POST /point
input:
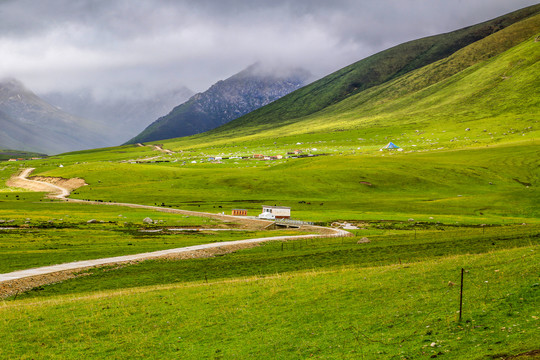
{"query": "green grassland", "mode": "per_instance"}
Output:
(28, 248)
(488, 184)
(464, 157)
(384, 312)
(32, 209)
(390, 243)
(37, 232)
(462, 193)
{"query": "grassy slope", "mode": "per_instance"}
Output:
(372, 71)
(29, 248)
(460, 89)
(390, 243)
(364, 74)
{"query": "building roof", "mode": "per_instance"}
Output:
(275, 207)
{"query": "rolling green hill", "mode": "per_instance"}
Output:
(378, 69)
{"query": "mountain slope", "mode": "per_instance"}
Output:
(439, 94)
(496, 100)
(225, 101)
(375, 70)
(494, 77)
(29, 123)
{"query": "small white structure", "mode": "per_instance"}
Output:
(275, 212)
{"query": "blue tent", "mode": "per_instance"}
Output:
(391, 145)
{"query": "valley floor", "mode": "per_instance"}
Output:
(389, 292)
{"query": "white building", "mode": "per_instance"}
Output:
(275, 212)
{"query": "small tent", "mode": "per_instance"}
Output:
(390, 145)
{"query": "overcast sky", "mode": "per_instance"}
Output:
(133, 45)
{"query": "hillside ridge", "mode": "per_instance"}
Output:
(375, 70)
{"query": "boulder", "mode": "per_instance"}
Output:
(363, 240)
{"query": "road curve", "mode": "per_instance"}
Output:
(142, 256)
(21, 180)
(62, 193)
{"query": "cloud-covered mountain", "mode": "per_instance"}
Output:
(29, 123)
(125, 116)
(225, 101)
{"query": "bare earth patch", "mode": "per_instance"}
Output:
(58, 188)
(70, 184)
(534, 354)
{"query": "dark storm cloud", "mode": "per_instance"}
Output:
(127, 44)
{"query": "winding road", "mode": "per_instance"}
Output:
(21, 180)
(62, 193)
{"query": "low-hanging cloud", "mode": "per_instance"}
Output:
(116, 46)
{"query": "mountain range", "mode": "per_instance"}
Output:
(225, 101)
(27, 122)
(409, 85)
(125, 116)
(481, 79)
(45, 123)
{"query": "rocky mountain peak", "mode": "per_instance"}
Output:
(226, 100)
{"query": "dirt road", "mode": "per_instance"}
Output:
(57, 188)
(59, 191)
(137, 257)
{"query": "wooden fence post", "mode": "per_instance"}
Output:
(461, 295)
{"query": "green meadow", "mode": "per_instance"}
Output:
(29, 248)
(384, 312)
(390, 243)
(492, 184)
